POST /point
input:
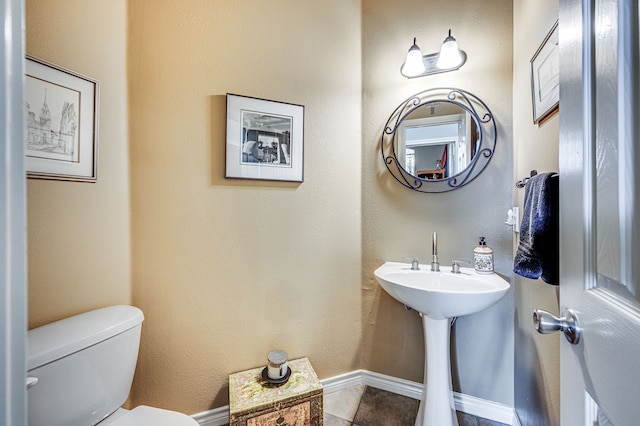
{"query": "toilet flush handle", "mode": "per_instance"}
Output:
(31, 382)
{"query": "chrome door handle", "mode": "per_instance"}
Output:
(546, 323)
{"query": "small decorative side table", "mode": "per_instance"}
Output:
(255, 402)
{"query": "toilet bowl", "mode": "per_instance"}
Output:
(148, 416)
(80, 371)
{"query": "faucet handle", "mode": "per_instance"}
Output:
(414, 263)
(455, 265)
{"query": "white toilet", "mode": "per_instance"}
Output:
(80, 371)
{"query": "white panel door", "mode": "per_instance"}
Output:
(600, 210)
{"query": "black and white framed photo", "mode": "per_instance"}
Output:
(264, 139)
(545, 77)
(61, 112)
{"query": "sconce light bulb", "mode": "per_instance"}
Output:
(413, 65)
(449, 53)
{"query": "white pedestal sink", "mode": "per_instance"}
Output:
(438, 297)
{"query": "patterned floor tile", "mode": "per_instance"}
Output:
(344, 404)
(330, 420)
(381, 408)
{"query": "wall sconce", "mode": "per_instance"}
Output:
(450, 58)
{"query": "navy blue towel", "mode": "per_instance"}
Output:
(538, 251)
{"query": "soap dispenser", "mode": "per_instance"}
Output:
(483, 257)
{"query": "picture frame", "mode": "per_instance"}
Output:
(545, 77)
(265, 139)
(61, 114)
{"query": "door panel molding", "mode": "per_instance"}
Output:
(604, 363)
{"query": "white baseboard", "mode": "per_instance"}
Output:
(464, 403)
(341, 382)
(216, 417)
(516, 419)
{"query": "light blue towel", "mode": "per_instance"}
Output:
(539, 249)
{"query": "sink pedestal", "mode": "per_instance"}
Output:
(436, 406)
(442, 295)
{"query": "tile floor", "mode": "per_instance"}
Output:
(367, 406)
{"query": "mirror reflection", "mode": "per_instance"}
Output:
(437, 140)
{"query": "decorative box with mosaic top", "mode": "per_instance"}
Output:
(254, 401)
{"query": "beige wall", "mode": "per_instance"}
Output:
(398, 222)
(537, 362)
(224, 270)
(79, 233)
(227, 270)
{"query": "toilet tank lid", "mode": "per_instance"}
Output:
(61, 338)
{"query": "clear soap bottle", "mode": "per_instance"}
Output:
(483, 258)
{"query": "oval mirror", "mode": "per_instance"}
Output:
(439, 140)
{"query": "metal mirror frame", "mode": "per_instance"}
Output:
(487, 137)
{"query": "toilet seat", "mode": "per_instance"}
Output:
(150, 416)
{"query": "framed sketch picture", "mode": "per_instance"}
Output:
(264, 139)
(61, 112)
(545, 77)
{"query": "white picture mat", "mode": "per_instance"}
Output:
(84, 166)
(235, 167)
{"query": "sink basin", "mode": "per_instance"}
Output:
(438, 297)
(441, 294)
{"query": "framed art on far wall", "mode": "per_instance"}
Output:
(545, 77)
(61, 113)
(265, 139)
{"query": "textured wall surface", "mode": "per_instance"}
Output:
(399, 222)
(537, 363)
(79, 233)
(227, 270)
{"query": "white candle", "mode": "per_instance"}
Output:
(277, 364)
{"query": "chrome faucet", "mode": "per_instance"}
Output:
(415, 264)
(455, 265)
(435, 265)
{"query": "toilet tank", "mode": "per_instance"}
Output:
(84, 366)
